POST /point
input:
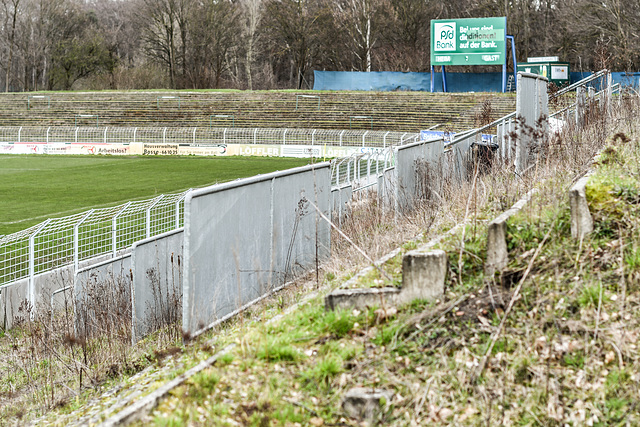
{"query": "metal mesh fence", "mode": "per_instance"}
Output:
(70, 240)
(203, 135)
(80, 237)
(64, 241)
(362, 169)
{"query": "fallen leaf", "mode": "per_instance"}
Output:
(609, 357)
(484, 320)
(467, 413)
(444, 413)
(316, 421)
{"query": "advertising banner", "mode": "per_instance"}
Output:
(273, 150)
(430, 135)
(472, 41)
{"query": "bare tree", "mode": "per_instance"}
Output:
(214, 27)
(10, 9)
(252, 15)
(294, 30)
(362, 21)
(165, 32)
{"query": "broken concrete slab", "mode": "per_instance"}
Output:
(423, 276)
(360, 298)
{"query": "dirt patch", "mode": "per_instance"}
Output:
(481, 306)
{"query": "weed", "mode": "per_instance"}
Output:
(591, 295)
(276, 349)
(338, 323)
(205, 382)
(323, 371)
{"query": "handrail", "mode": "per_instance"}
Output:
(582, 82)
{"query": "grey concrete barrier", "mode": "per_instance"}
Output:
(246, 237)
(340, 198)
(157, 269)
(102, 294)
(423, 275)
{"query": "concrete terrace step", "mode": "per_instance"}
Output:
(396, 111)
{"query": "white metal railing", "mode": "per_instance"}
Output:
(201, 135)
(362, 170)
(506, 124)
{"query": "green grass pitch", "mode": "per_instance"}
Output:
(36, 187)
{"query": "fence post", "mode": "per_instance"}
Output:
(164, 136)
(114, 229)
(75, 138)
(609, 92)
(105, 134)
(356, 169)
(194, 135)
(580, 101)
(363, 137)
(255, 132)
(147, 215)
(313, 137)
(180, 200)
(19, 134)
(76, 238)
(32, 268)
(48, 129)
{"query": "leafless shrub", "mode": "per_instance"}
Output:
(164, 311)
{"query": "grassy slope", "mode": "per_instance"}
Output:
(568, 353)
(33, 187)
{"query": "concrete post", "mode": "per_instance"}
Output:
(423, 275)
(497, 254)
(581, 221)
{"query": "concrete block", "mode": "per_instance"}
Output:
(423, 275)
(360, 298)
(365, 403)
(581, 220)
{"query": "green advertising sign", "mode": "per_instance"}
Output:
(473, 41)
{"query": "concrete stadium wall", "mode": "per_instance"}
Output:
(246, 237)
(157, 270)
(418, 165)
(532, 105)
(14, 297)
(340, 198)
(101, 292)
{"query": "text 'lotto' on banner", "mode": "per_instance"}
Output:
(473, 41)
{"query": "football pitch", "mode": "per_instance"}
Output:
(36, 187)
